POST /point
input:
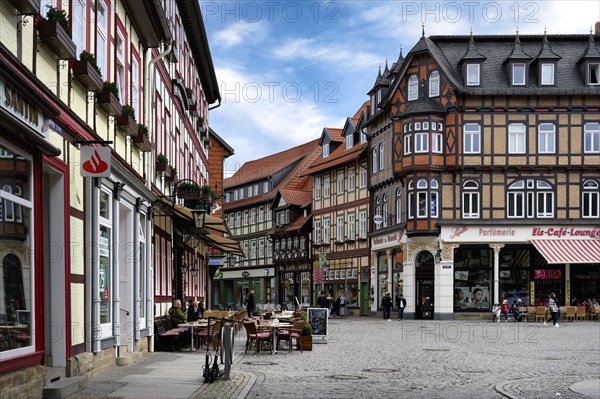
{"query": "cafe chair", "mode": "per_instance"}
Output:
(210, 333)
(257, 336)
(581, 313)
(294, 333)
(540, 313)
(595, 313)
(570, 314)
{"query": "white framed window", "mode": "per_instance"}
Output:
(317, 232)
(436, 143)
(351, 227)
(381, 157)
(417, 125)
(235, 195)
(261, 248)
(261, 214)
(433, 126)
(317, 188)
(590, 199)
(421, 142)
(326, 231)
(547, 74)
(339, 229)
(253, 216)
(473, 74)
(534, 199)
(250, 194)
(245, 222)
(471, 138)
(265, 187)
(591, 138)
(518, 74)
(422, 204)
(121, 81)
(413, 88)
(78, 25)
(425, 125)
(593, 74)
(546, 138)
(441, 127)
(101, 37)
(349, 141)
(399, 205)
(363, 135)
(434, 84)
(434, 203)
(362, 175)
(374, 162)
(253, 250)
(339, 186)
(407, 144)
(351, 179)
(362, 224)
(238, 219)
(325, 150)
(470, 200)
(326, 186)
(384, 210)
(516, 138)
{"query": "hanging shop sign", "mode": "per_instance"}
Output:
(95, 161)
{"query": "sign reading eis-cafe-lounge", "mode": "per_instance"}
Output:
(517, 234)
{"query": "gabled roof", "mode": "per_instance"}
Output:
(300, 198)
(262, 168)
(222, 142)
(334, 135)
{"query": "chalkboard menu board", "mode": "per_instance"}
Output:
(317, 317)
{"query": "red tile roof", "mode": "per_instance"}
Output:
(335, 133)
(262, 168)
(338, 157)
(296, 197)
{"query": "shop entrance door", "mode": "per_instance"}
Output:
(425, 299)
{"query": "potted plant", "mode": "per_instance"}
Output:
(208, 194)
(142, 140)
(108, 99)
(188, 191)
(126, 121)
(306, 336)
(86, 71)
(55, 32)
(161, 163)
(172, 173)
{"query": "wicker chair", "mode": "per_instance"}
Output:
(581, 313)
(570, 313)
(540, 313)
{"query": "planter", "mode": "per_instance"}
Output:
(87, 75)
(161, 166)
(26, 7)
(305, 342)
(169, 177)
(127, 124)
(189, 194)
(142, 143)
(57, 39)
(109, 103)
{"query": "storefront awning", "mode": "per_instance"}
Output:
(224, 244)
(569, 251)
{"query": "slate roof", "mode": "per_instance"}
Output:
(565, 50)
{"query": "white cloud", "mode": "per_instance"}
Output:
(239, 33)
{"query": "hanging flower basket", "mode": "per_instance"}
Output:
(53, 34)
(86, 74)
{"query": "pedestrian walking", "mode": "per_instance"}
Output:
(400, 304)
(250, 304)
(553, 306)
(386, 304)
(342, 299)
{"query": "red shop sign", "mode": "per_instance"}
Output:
(547, 274)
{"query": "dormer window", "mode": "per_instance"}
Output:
(325, 150)
(593, 74)
(434, 84)
(473, 74)
(518, 74)
(378, 96)
(349, 141)
(413, 88)
(547, 74)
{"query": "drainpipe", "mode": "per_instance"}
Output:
(149, 280)
(150, 71)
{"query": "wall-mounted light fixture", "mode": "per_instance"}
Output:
(438, 256)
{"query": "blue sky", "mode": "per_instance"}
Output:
(287, 69)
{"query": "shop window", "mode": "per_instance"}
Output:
(473, 278)
(105, 262)
(514, 274)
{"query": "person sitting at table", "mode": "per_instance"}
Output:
(177, 315)
(200, 311)
(192, 311)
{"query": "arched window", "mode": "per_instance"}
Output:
(434, 84)
(377, 210)
(530, 198)
(413, 88)
(411, 200)
(590, 199)
(434, 198)
(399, 205)
(470, 199)
(427, 199)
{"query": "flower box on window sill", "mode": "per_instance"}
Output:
(57, 39)
(169, 177)
(109, 103)
(350, 240)
(26, 7)
(142, 143)
(361, 239)
(87, 75)
(161, 166)
(127, 124)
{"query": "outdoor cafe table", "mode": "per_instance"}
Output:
(193, 326)
(274, 325)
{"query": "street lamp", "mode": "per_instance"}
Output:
(184, 268)
(199, 216)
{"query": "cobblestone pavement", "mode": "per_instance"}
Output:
(372, 358)
(367, 357)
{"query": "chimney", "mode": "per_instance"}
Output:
(598, 28)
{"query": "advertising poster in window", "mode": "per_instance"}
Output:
(477, 297)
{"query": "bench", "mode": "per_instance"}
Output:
(511, 316)
(167, 338)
